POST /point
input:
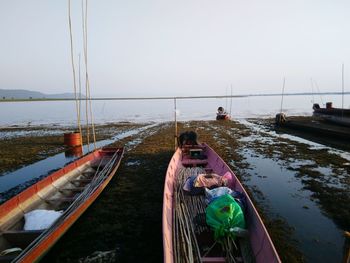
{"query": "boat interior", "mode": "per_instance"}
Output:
(55, 192)
(193, 239)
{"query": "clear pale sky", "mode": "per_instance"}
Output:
(182, 47)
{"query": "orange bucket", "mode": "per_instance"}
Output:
(72, 139)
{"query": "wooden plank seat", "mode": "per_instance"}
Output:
(100, 167)
(81, 180)
(88, 174)
(60, 199)
(75, 189)
(194, 162)
(198, 146)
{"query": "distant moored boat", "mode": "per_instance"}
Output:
(336, 115)
(221, 114)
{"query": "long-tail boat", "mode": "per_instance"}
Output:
(70, 190)
(186, 234)
(335, 115)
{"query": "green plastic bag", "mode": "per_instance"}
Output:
(223, 214)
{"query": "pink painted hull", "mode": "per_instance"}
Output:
(262, 246)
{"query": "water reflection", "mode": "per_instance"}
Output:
(74, 152)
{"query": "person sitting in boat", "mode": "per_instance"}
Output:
(220, 111)
(187, 138)
(221, 114)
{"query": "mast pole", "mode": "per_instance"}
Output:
(342, 84)
(284, 82)
(175, 137)
(231, 101)
(312, 91)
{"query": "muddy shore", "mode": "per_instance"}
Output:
(127, 216)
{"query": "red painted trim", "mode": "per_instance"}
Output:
(44, 183)
(26, 194)
(8, 206)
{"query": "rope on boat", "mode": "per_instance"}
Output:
(98, 178)
(184, 238)
(189, 209)
(175, 120)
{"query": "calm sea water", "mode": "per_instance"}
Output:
(64, 113)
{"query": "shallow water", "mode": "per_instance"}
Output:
(283, 193)
(42, 168)
(319, 238)
(63, 112)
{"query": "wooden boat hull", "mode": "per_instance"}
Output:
(260, 241)
(25, 201)
(337, 119)
(335, 115)
(222, 117)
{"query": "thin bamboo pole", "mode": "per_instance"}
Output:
(85, 34)
(231, 102)
(79, 105)
(175, 137)
(342, 94)
(72, 61)
(284, 82)
(86, 81)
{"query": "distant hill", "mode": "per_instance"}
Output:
(26, 94)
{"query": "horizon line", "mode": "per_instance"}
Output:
(4, 99)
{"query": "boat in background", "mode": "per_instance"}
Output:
(221, 114)
(335, 115)
(66, 193)
(186, 234)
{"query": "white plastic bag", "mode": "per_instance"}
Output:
(40, 219)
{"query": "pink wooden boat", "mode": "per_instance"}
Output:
(70, 190)
(193, 242)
